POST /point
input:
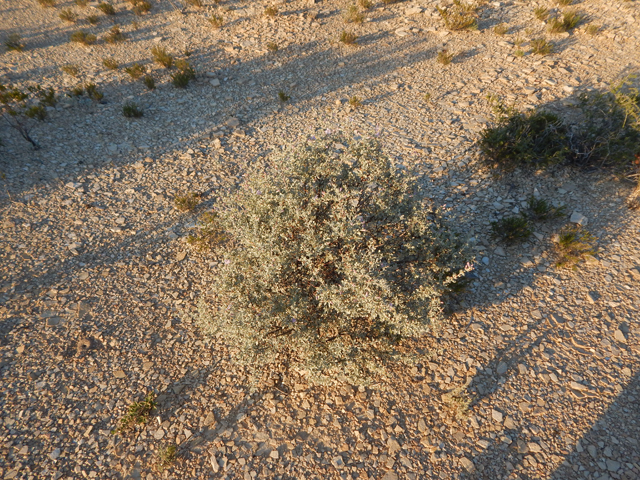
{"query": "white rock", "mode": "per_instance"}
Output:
(496, 415)
(578, 218)
(214, 82)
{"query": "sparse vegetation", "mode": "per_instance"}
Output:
(568, 22)
(519, 53)
(512, 229)
(501, 29)
(337, 299)
(140, 7)
(353, 15)
(216, 21)
(82, 3)
(138, 413)
(149, 82)
(47, 3)
(283, 97)
(592, 29)
(272, 47)
(459, 16)
(271, 11)
(348, 38)
(457, 402)
(564, 3)
(161, 56)
(539, 209)
(427, 97)
(135, 71)
(365, 4)
(91, 89)
(14, 42)
(541, 13)
(167, 456)
(355, 102)
(68, 15)
(194, 3)
(24, 109)
(115, 35)
(131, 110)
(93, 19)
(574, 245)
(540, 46)
(188, 202)
(84, 38)
(110, 63)
(209, 233)
(444, 57)
(106, 8)
(184, 75)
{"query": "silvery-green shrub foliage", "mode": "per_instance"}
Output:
(332, 258)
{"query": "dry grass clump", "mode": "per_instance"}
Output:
(540, 46)
(14, 42)
(460, 16)
(68, 15)
(135, 71)
(569, 21)
(115, 35)
(348, 38)
(216, 21)
(161, 56)
(82, 37)
(353, 15)
(444, 57)
(110, 63)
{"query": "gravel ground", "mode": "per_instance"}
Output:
(533, 375)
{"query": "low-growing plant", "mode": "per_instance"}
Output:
(459, 16)
(93, 19)
(110, 63)
(140, 7)
(271, 11)
(106, 8)
(512, 229)
(194, 3)
(81, 3)
(574, 244)
(272, 47)
(390, 2)
(216, 21)
(365, 4)
(501, 29)
(564, 3)
(541, 13)
(444, 57)
(138, 413)
(188, 202)
(131, 110)
(353, 15)
(209, 233)
(77, 91)
(70, 69)
(332, 261)
(539, 209)
(568, 22)
(68, 15)
(592, 29)
(184, 75)
(457, 401)
(355, 102)
(167, 456)
(519, 53)
(427, 97)
(91, 89)
(47, 3)
(348, 38)
(534, 139)
(24, 109)
(82, 37)
(161, 56)
(283, 97)
(115, 35)
(14, 42)
(135, 71)
(149, 82)
(540, 46)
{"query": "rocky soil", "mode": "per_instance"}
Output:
(533, 375)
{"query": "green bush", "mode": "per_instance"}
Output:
(333, 259)
(23, 109)
(131, 110)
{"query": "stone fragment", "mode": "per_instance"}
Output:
(119, 373)
(233, 122)
(496, 415)
(635, 273)
(55, 454)
(337, 462)
(181, 256)
(613, 466)
(578, 219)
(390, 475)
(422, 426)
(467, 464)
(619, 336)
(158, 434)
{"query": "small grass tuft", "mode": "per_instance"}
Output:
(564, 3)
(47, 3)
(106, 8)
(131, 110)
(592, 29)
(82, 3)
(167, 456)
(68, 15)
(110, 63)
(141, 7)
(459, 16)
(209, 233)
(348, 38)
(444, 57)
(188, 202)
(184, 75)
(194, 3)
(283, 97)
(161, 56)
(539, 209)
(457, 401)
(93, 19)
(355, 102)
(540, 46)
(541, 13)
(77, 91)
(365, 4)
(14, 42)
(519, 53)
(353, 15)
(91, 89)
(569, 21)
(115, 35)
(427, 97)
(272, 47)
(574, 245)
(82, 37)
(138, 413)
(216, 21)
(501, 29)
(271, 11)
(135, 71)
(149, 82)
(511, 229)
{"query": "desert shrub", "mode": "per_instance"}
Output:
(353, 15)
(161, 56)
(511, 229)
(14, 42)
(115, 35)
(149, 82)
(91, 89)
(348, 38)
(93, 19)
(194, 3)
(540, 209)
(501, 29)
(283, 97)
(459, 16)
(541, 13)
(140, 7)
(68, 15)
(574, 244)
(47, 3)
(271, 11)
(444, 57)
(216, 21)
(82, 37)
(135, 71)
(110, 63)
(131, 110)
(188, 202)
(365, 4)
(355, 102)
(540, 46)
(81, 3)
(272, 47)
(23, 109)
(138, 413)
(567, 22)
(107, 8)
(535, 138)
(332, 260)
(184, 75)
